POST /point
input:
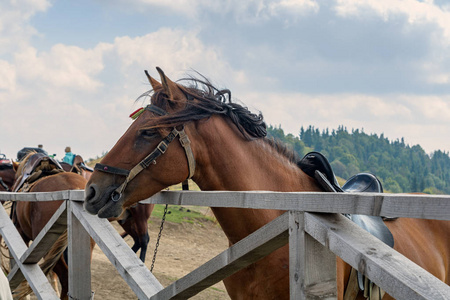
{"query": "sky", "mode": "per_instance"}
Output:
(70, 71)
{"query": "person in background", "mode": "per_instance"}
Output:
(69, 157)
(40, 146)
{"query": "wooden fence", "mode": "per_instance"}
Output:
(313, 226)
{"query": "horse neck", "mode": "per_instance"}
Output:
(227, 161)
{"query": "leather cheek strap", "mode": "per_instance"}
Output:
(186, 144)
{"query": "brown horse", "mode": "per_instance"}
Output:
(134, 221)
(31, 217)
(230, 151)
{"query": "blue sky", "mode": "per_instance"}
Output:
(71, 70)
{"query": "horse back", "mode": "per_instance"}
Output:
(33, 216)
(60, 182)
(426, 242)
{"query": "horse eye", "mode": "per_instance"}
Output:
(148, 133)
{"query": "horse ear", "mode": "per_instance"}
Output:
(15, 165)
(155, 84)
(170, 88)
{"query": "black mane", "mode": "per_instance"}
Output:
(205, 100)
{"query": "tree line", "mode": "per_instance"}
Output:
(400, 167)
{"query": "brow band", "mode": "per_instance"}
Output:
(156, 110)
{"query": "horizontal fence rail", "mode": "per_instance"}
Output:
(392, 205)
(314, 241)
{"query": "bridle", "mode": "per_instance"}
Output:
(151, 158)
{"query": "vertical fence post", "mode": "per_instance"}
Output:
(79, 260)
(312, 267)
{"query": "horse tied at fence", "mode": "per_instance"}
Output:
(196, 131)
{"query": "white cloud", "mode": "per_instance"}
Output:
(67, 67)
(435, 109)
(417, 12)
(15, 31)
(84, 96)
(7, 77)
(242, 11)
(293, 7)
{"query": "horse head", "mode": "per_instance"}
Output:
(142, 163)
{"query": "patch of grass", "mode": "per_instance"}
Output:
(180, 214)
(217, 289)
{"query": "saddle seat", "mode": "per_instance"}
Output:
(363, 183)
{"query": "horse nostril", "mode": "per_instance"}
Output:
(90, 192)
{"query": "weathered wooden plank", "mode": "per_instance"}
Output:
(389, 269)
(43, 242)
(392, 205)
(312, 267)
(32, 272)
(76, 195)
(79, 249)
(247, 251)
(129, 266)
(35, 197)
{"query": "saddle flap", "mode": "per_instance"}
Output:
(315, 165)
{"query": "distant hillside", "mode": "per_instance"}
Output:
(401, 168)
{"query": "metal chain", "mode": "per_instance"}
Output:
(159, 237)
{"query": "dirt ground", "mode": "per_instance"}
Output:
(183, 248)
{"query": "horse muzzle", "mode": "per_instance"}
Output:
(98, 201)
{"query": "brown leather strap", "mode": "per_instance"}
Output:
(186, 144)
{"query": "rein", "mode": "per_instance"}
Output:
(151, 158)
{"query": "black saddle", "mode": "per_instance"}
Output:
(317, 166)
